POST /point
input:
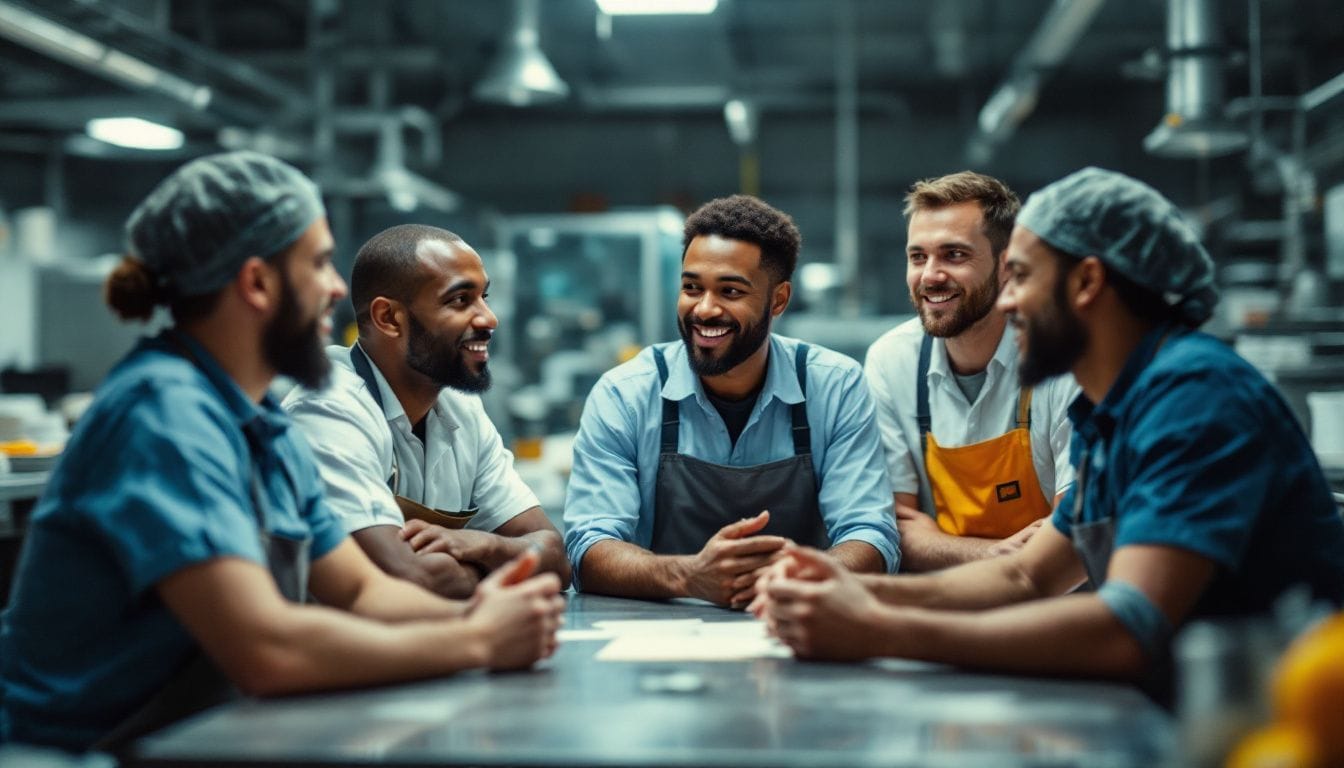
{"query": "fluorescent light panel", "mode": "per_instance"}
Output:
(134, 132)
(656, 7)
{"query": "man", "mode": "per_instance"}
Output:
(1197, 493)
(696, 462)
(413, 467)
(185, 522)
(976, 462)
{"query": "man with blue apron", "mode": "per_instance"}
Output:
(699, 460)
(976, 461)
(1197, 495)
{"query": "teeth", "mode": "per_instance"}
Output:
(711, 332)
(481, 347)
(939, 298)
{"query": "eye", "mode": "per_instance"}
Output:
(916, 257)
(733, 292)
(689, 287)
(485, 296)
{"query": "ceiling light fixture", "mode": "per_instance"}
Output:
(134, 133)
(520, 74)
(656, 7)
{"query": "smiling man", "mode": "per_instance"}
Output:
(698, 460)
(413, 467)
(1197, 496)
(976, 461)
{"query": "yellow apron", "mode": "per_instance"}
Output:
(987, 489)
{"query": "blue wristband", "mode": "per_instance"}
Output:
(1132, 608)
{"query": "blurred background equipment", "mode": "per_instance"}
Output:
(566, 139)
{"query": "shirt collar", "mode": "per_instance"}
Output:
(1004, 354)
(781, 380)
(1091, 421)
(392, 409)
(266, 417)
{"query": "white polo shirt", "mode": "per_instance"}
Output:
(463, 462)
(890, 369)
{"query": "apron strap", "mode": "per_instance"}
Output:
(1024, 409)
(360, 359)
(802, 432)
(671, 429)
(922, 394)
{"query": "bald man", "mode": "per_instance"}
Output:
(413, 467)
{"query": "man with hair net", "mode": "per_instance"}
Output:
(1197, 495)
(166, 565)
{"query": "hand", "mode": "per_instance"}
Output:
(517, 614)
(908, 520)
(724, 572)
(819, 609)
(1017, 540)
(465, 546)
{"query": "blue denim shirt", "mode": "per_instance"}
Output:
(156, 477)
(611, 490)
(1192, 448)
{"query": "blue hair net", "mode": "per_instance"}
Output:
(1133, 229)
(201, 223)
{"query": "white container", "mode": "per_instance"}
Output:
(1327, 426)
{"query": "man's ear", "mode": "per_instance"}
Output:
(779, 301)
(259, 285)
(1086, 281)
(388, 317)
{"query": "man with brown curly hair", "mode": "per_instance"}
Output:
(697, 461)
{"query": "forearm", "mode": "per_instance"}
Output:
(390, 599)
(435, 571)
(859, 557)
(315, 648)
(972, 586)
(1073, 635)
(931, 550)
(619, 568)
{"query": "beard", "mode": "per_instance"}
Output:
(975, 304)
(292, 344)
(744, 344)
(443, 362)
(1054, 341)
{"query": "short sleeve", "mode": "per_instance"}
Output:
(178, 495)
(900, 465)
(345, 448)
(497, 491)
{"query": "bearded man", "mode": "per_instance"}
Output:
(698, 460)
(976, 461)
(413, 466)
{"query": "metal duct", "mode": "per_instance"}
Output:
(1194, 125)
(520, 74)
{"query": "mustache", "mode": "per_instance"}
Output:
(719, 323)
(480, 335)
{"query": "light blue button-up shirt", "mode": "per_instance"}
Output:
(611, 490)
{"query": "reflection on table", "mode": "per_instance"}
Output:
(576, 710)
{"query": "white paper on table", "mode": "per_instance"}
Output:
(714, 641)
(606, 630)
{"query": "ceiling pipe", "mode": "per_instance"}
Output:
(1060, 30)
(1195, 124)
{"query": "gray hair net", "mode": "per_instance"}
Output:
(201, 223)
(1133, 229)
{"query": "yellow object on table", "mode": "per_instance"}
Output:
(1309, 686)
(20, 448)
(1279, 745)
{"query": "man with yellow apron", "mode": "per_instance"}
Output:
(975, 461)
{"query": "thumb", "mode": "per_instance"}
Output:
(811, 563)
(746, 526)
(516, 570)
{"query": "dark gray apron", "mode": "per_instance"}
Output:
(410, 509)
(693, 499)
(198, 683)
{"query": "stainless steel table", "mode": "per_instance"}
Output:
(575, 710)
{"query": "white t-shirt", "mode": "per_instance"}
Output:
(890, 369)
(463, 462)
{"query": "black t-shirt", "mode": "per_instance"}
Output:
(734, 412)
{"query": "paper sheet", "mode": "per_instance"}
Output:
(607, 630)
(714, 641)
